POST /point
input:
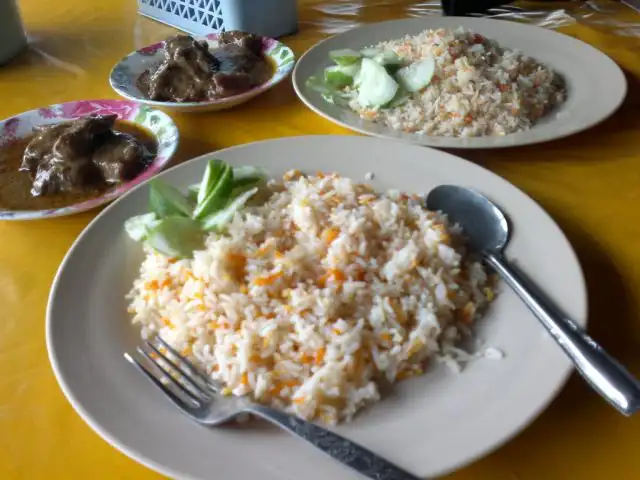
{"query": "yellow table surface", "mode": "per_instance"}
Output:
(590, 183)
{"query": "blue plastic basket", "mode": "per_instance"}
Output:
(270, 18)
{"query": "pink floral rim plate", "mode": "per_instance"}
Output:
(157, 122)
(124, 75)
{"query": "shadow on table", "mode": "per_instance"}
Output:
(613, 315)
(578, 411)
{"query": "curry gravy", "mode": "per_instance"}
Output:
(15, 186)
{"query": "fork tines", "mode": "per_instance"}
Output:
(175, 375)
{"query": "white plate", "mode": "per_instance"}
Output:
(125, 73)
(592, 96)
(155, 121)
(430, 425)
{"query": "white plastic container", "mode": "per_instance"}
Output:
(270, 18)
(12, 37)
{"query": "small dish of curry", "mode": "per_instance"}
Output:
(215, 72)
(72, 157)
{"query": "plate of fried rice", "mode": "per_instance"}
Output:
(459, 82)
(332, 293)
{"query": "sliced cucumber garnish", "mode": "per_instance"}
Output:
(211, 176)
(376, 86)
(416, 76)
(247, 176)
(350, 70)
(217, 221)
(388, 57)
(218, 197)
(166, 200)
(176, 237)
(400, 99)
(336, 78)
(370, 52)
(138, 226)
(345, 56)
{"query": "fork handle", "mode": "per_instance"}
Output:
(345, 451)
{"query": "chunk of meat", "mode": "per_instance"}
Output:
(249, 41)
(82, 134)
(82, 153)
(235, 59)
(228, 84)
(239, 70)
(184, 74)
(59, 176)
(118, 159)
(40, 145)
(190, 72)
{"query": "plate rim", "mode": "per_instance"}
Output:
(233, 100)
(565, 370)
(116, 193)
(455, 142)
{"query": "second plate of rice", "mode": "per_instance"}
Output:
(496, 83)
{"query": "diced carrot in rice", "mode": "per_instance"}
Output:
(292, 175)
(268, 279)
(468, 312)
(167, 322)
(386, 337)
(330, 234)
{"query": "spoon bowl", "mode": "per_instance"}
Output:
(484, 223)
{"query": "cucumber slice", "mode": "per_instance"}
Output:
(390, 60)
(217, 221)
(400, 99)
(166, 200)
(370, 52)
(345, 56)
(247, 176)
(388, 57)
(211, 176)
(176, 237)
(376, 86)
(137, 227)
(336, 78)
(192, 193)
(350, 70)
(241, 176)
(218, 197)
(416, 76)
(318, 85)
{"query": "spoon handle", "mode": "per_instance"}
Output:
(605, 374)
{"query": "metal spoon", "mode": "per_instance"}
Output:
(487, 230)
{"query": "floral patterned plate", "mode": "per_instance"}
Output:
(157, 122)
(124, 75)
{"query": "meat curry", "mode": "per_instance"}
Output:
(191, 72)
(71, 162)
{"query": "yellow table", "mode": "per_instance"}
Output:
(590, 183)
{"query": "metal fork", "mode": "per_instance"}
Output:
(198, 396)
